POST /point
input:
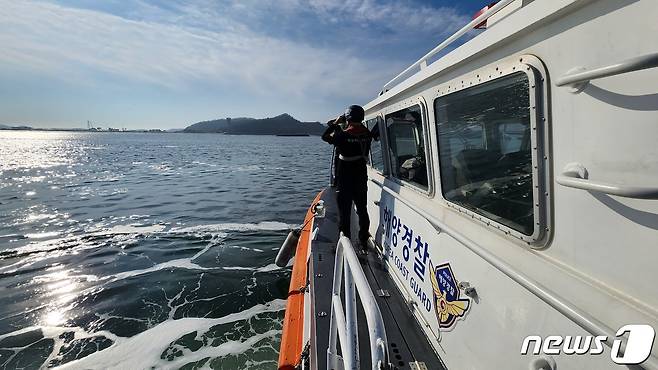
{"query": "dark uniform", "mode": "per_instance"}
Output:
(353, 147)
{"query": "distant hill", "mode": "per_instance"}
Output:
(283, 124)
(14, 127)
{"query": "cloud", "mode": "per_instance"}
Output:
(62, 41)
(401, 17)
(232, 45)
(363, 22)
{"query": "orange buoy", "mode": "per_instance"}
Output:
(290, 353)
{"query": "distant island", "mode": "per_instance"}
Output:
(14, 127)
(281, 125)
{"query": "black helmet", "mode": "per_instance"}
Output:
(354, 113)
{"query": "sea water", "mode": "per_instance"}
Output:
(148, 250)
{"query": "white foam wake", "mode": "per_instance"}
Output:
(232, 347)
(57, 334)
(265, 226)
(181, 263)
(131, 229)
(143, 350)
(268, 268)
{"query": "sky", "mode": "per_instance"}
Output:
(169, 63)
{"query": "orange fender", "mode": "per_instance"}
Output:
(290, 353)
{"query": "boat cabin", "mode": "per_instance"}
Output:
(513, 197)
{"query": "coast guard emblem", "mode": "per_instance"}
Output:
(449, 307)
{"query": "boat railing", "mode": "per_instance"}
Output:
(422, 62)
(575, 175)
(578, 77)
(349, 276)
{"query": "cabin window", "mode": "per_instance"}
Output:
(376, 151)
(484, 150)
(404, 129)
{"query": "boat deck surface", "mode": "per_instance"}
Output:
(406, 341)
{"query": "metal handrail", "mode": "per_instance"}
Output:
(423, 61)
(344, 324)
(629, 65)
(583, 319)
(572, 180)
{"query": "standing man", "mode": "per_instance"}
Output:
(352, 147)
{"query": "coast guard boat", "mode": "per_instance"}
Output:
(514, 205)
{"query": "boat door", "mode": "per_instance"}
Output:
(377, 168)
(398, 158)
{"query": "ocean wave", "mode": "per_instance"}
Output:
(77, 242)
(121, 236)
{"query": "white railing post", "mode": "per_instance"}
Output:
(334, 324)
(344, 324)
(352, 345)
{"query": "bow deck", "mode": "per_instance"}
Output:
(406, 343)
